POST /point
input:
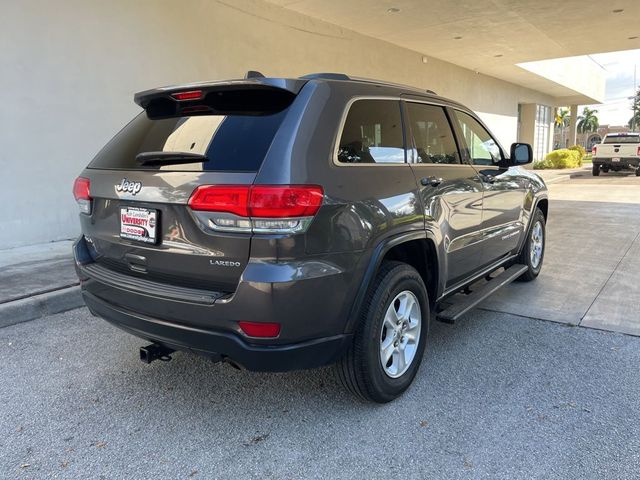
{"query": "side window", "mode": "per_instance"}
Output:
(482, 149)
(372, 133)
(434, 141)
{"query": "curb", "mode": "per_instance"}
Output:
(39, 306)
(558, 179)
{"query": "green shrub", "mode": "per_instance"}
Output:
(563, 158)
(579, 148)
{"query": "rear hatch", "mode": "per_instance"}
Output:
(138, 221)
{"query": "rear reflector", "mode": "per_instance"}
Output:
(189, 95)
(81, 192)
(275, 201)
(257, 329)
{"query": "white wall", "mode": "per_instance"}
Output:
(70, 68)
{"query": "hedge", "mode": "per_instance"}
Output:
(562, 158)
(579, 148)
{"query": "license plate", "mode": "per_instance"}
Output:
(138, 224)
(615, 159)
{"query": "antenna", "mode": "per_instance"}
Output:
(253, 74)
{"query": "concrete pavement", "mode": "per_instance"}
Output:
(591, 268)
(498, 396)
(553, 176)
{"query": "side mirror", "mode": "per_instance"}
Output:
(521, 153)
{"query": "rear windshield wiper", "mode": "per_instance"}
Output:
(169, 158)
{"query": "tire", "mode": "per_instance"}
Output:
(534, 262)
(361, 370)
(595, 170)
(638, 172)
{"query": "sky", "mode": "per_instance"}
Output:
(616, 109)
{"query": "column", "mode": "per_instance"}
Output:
(573, 125)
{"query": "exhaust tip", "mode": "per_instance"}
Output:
(232, 363)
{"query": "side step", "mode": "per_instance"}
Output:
(455, 311)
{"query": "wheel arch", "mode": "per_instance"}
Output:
(542, 203)
(418, 249)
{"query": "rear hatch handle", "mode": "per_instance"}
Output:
(137, 263)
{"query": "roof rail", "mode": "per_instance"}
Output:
(390, 84)
(342, 76)
(327, 76)
(253, 74)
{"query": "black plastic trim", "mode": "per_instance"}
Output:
(113, 279)
(374, 263)
(265, 358)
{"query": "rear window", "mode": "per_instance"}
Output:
(227, 142)
(621, 139)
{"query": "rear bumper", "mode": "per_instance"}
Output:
(303, 355)
(309, 299)
(625, 162)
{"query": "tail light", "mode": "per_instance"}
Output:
(258, 208)
(81, 192)
(594, 150)
(638, 152)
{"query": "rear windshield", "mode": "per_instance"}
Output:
(621, 139)
(226, 142)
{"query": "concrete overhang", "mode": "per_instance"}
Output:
(505, 39)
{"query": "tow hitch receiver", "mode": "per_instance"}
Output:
(155, 352)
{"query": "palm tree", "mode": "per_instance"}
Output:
(588, 121)
(562, 117)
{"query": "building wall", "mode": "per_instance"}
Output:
(528, 123)
(70, 68)
(588, 139)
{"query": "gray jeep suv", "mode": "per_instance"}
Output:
(280, 224)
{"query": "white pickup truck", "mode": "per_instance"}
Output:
(618, 151)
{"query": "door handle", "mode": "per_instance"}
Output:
(431, 181)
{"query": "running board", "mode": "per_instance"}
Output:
(455, 311)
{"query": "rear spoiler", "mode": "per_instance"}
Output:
(252, 96)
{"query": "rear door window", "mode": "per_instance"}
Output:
(372, 133)
(432, 135)
(227, 142)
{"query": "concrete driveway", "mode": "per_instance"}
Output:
(591, 274)
(500, 395)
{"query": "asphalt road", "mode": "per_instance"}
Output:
(499, 396)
